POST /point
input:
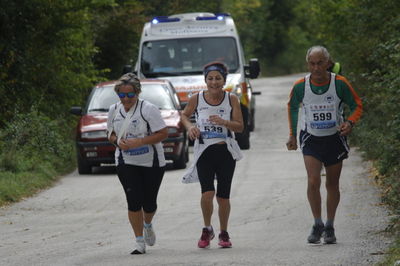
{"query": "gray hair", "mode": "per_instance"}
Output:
(318, 48)
(129, 79)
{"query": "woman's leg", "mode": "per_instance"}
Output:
(224, 209)
(207, 206)
(152, 183)
(131, 180)
(225, 172)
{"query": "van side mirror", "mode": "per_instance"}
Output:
(253, 69)
(76, 110)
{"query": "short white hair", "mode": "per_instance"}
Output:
(318, 48)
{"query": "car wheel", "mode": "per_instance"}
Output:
(243, 139)
(181, 162)
(187, 153)
(252, 121)
(84, 167)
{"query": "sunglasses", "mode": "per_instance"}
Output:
(124, 94)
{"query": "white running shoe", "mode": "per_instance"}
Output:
(140, 247)
(149, 235)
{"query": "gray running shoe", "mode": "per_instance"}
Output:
(140, 247)
(316, 233)
(149, 235)
(329, 235)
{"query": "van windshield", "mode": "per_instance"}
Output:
(187, 56)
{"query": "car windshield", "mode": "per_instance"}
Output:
(103, 97)
(187, 56)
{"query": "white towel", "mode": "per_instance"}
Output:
(191, 175)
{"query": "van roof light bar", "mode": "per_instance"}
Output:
(217, 16)
(164, 19)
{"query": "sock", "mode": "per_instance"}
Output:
(139, 239)
(209, 228)
(318, 221)
(329, 223)
(147, 225)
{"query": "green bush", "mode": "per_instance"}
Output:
(35, 150)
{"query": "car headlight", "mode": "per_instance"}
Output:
(94, 134)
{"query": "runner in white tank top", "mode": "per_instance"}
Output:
(218, 115)
(323, 135)
(321, 113)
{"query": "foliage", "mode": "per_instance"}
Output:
(38, 150)
(45, 55)
(117, 32)
(268, 31)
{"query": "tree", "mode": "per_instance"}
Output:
(45, 53)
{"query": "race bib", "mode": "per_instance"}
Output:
(323, 116)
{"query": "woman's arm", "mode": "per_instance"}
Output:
(193, 131)
(154, 138)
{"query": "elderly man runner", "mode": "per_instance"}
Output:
(323, 133)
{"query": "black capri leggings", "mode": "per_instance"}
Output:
(216, 160)
(141, 185)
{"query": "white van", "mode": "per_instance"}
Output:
(177, 47)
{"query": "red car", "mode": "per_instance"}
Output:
(93, 148)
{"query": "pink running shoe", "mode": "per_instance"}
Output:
(206, 237)
(224, 240)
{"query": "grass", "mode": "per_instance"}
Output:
(393, 254)
(15, 186)
(35, 151)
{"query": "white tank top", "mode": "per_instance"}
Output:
(321, 114)
(212, 133)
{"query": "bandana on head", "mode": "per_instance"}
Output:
(215, 67)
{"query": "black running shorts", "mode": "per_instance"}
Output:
(217, 161)
(329, 150)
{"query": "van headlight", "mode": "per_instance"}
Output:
(94, 134)
(237, 89)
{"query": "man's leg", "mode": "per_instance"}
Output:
(332, 201)
(332, 188)
(313, 167)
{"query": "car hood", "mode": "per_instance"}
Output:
(93, 122)
(98, 121)
(185, 86)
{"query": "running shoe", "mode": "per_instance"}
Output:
(206, 237)
(224, 240)
(329, 235)
(149, 235)
(316, 233)
(140, 247)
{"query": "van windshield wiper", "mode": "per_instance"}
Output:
(99, 110)
(161, 74)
